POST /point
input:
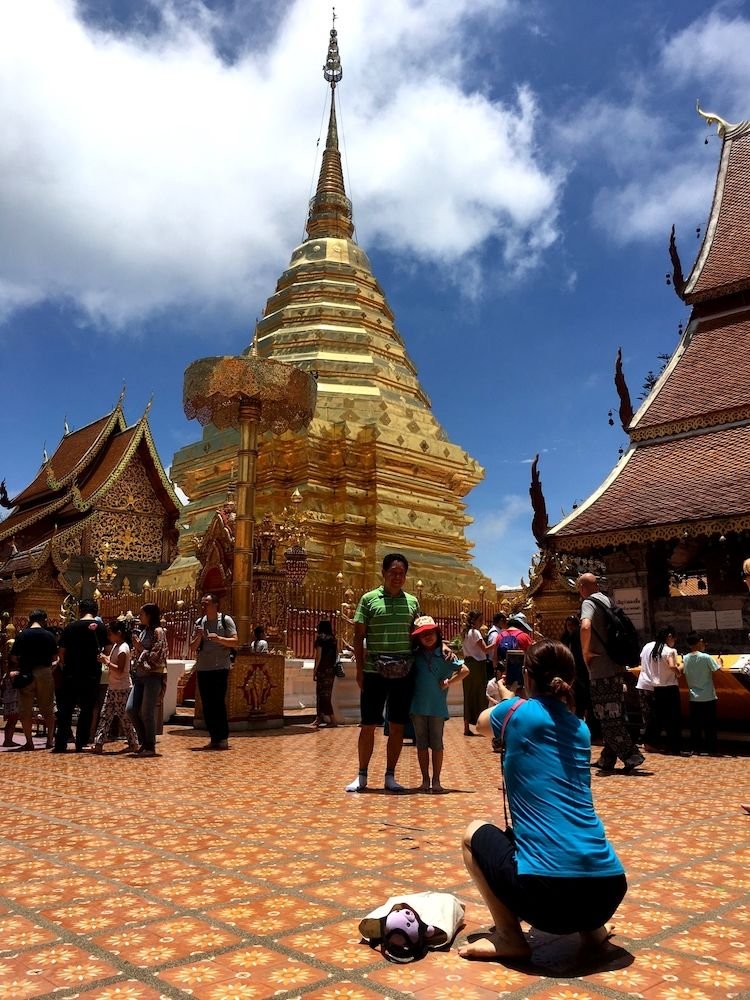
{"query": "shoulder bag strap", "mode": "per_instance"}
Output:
(514, 707)
(605, 608)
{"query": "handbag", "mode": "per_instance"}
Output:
(407, 926)
(393, 666)
(338, 670)
(21, 681)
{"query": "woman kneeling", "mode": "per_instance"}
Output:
(558, 872)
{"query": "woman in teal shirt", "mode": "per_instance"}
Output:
(557, 871)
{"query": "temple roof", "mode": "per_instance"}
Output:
(666, 484)
(74, 452)
(703, 383)
(688, 464)
(96, 456)
(723, 263)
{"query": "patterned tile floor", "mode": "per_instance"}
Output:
(244, 875)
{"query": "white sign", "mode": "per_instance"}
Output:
(630, 600)
(700, 621)
(731, 618)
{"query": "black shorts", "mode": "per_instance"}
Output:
(553, 905)
(377, 690)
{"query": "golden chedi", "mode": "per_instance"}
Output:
(375, 468)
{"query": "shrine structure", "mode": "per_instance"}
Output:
(375, 468)
(670, 526)
(101, 512)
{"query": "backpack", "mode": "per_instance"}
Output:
(621, 641)
(232, 652)
(506, 642)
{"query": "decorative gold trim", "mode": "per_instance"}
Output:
(716, 420)
(163, 478)
(40, 514)
(647, 533)
(116, 419)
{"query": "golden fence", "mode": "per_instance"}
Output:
(306, 606)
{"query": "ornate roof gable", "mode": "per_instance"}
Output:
(73, 455)
(723, 263)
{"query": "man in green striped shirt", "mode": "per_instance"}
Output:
(384, 620)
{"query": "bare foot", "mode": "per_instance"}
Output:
(492, 946)
(437, 788)
(425, 786)
(746, 808)
(592, 940)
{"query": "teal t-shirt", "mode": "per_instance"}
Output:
(388, 621)
(548, 782)
(429, 670)
(699, 668)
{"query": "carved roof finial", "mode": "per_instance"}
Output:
(722, 125)
(540, 521)
(626, 407)
(678, 279)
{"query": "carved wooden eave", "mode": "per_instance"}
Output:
(575, 544)
(8, 530)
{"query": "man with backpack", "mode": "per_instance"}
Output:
(214, 642)
(604, 641)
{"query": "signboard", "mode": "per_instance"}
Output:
(702, 621)
(730, 618)
(630, 600)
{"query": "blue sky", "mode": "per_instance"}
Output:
(515, 169)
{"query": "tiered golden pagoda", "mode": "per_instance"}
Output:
(375, 468)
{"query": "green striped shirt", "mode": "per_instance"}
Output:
(388, 621)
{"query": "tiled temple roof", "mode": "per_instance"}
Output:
(97, 454)
(70, 458)
(705, 377)
(723, 264)
(688, 465)
(682, 479)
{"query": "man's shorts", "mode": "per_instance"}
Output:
(377, 691)
(42, 688)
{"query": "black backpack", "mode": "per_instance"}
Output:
(621, 641)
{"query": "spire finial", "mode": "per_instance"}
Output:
(332, 70)
(330, 209)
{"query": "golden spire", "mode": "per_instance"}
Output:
(330, 209)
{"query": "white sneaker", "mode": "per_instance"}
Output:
(358, 785)
(391, 785)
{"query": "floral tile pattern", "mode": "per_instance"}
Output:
(231, 879)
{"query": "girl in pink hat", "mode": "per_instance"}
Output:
(433, 675)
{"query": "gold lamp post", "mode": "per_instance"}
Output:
(254, 395)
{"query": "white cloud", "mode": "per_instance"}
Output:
(139, 171)
(714, 51)
(660, 173)
(493, 526)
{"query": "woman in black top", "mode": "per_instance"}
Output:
(324, 673)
